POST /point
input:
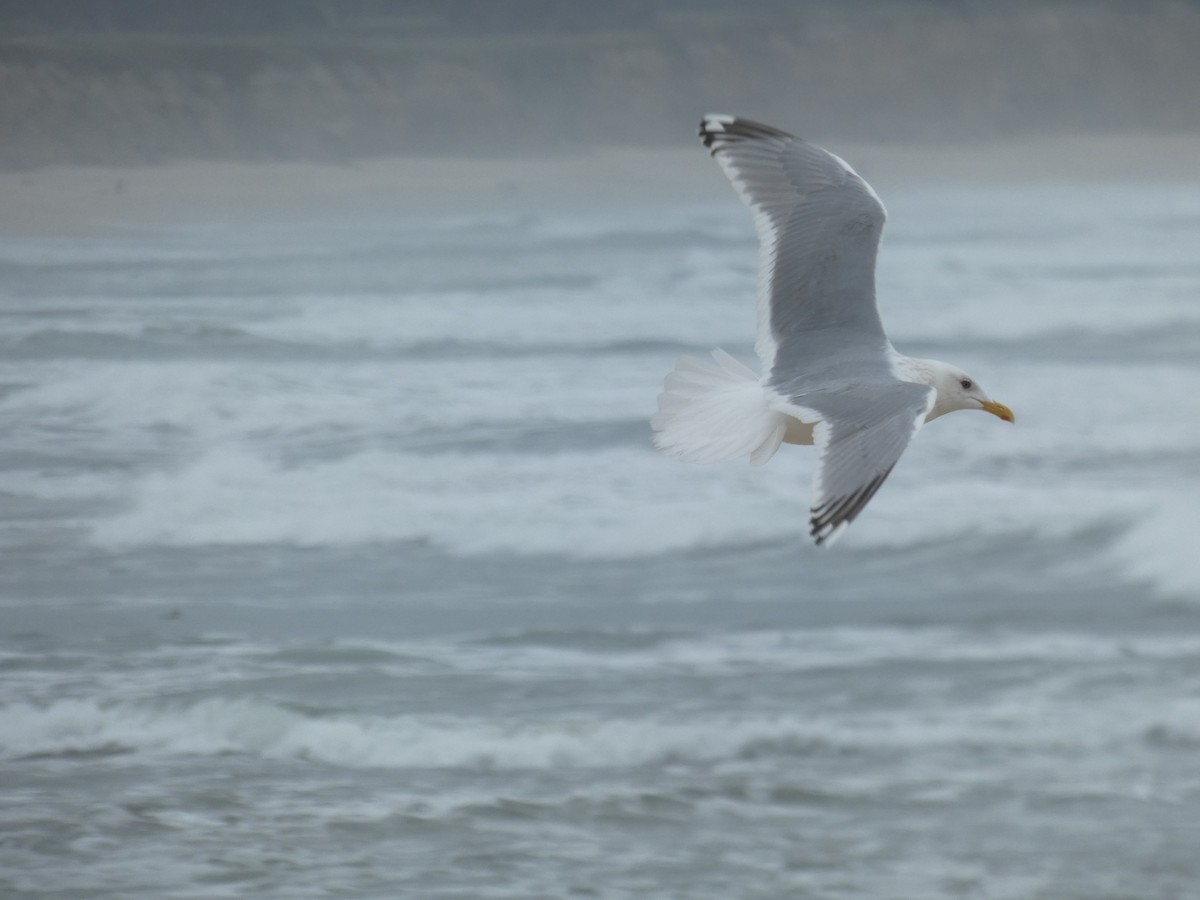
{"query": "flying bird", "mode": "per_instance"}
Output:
(830, 376)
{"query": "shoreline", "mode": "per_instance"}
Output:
(83, 201)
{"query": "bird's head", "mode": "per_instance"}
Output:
(958, 390)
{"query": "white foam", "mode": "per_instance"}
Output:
(794, 651)
(1043, 714)
(965, 477)
(1161, 546)
(266, 729)
(1076, 270)
(607, 503)
(216, 402)
(613, 309)
(248, 461)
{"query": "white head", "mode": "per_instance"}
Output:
(958, 390)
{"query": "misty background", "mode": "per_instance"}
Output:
(149, 81)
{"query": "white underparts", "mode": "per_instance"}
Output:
(718, 409)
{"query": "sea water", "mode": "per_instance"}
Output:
(337, 561)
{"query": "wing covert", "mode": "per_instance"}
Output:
(860, 437)
(818, 225)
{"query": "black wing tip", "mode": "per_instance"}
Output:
(831, 517)
(716, 127)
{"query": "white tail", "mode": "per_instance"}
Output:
(714, 411)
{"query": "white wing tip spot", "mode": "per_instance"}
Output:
(712, 125)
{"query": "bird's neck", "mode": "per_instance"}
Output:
(918, 371)
(922, 371)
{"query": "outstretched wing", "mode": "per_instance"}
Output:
(818, 227)
(860, 437)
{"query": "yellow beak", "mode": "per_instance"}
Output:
(999, 409)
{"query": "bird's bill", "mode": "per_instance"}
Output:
(999, 409)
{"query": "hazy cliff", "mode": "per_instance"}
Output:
(424, 78)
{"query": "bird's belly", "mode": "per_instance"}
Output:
(798, 432)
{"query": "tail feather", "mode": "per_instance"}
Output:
(715, 410)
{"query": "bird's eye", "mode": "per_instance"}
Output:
(966, 384)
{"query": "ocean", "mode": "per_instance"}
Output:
(338, 562)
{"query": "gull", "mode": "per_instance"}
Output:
(830, 376)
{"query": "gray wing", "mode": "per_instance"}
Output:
(818, 226)
(861, 434)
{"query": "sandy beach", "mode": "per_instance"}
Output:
(85, 200)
